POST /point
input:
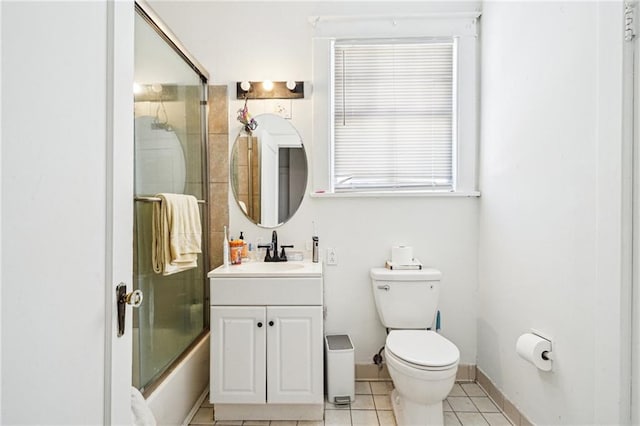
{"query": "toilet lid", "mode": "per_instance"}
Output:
(422, 347)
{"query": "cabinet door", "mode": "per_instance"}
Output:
(294, 354)
(238, 339)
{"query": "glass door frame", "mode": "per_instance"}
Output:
(149, 15)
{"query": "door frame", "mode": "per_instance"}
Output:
(119, 203)
(632, 129)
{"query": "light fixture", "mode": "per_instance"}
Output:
(268, 89)
(267, 85)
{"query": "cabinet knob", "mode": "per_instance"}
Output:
(259, 324)
(270, 323)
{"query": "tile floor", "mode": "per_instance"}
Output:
(466, 405)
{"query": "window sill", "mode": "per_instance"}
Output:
(391, 194)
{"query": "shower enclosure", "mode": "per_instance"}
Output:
(170, 153)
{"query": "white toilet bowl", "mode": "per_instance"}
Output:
(422, 363)
(423, 366)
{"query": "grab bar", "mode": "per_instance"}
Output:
(157, 200)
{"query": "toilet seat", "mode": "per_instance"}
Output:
(422, 349)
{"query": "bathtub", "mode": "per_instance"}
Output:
(173, 399)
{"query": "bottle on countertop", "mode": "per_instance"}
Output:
(236, 251)
(245, 248)
(225, 249)
(314, 256)
(314, 246)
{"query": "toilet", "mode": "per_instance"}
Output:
(421, 362)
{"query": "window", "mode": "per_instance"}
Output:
(395, 105)
(393, 114)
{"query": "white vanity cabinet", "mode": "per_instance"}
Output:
(266, 343)
(238, 344)
(280, 346)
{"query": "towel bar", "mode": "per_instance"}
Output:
(157, 200)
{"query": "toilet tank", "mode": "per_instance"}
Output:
(406, 299)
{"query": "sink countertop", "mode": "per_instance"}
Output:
(294, 269)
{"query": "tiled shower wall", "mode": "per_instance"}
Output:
(218, 171)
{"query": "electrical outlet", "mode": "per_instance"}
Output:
(332, 256)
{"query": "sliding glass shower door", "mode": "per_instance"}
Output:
(169, 157)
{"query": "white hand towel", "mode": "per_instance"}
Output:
(177, 233)
(142, 415)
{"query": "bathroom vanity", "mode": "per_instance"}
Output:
(266, 341)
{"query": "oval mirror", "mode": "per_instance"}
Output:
(269, 171)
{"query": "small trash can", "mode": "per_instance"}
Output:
(340, 370)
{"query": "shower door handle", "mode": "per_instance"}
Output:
(134, 299)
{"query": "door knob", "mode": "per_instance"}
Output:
(270, 323)
(134, 299)
(259, 324)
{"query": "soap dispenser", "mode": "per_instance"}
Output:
(245, 248)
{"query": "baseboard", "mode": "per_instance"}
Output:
(261, 412)
(508, 408)
(372, 372)
(466, 372)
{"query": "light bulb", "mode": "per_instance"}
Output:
(245, 85)
(291, 85)
(156, 87)
(137, 88)
(267, 85)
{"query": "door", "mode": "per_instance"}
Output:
(238, 348)
(294, 354)
(66, 211)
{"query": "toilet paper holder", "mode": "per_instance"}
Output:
(536, 348)
(546, 355)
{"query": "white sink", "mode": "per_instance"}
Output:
(268, 270)
(264, 283)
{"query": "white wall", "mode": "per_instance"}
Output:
(53, 212)
(551, 220)
(239, 41)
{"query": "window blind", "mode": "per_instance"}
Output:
(393, 106)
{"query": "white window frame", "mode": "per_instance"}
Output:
(462, 27)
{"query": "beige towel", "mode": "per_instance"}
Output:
(177, 233)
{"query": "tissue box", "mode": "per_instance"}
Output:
(401, 255)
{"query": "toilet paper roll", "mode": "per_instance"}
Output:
(401, 255)
(532, 347)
